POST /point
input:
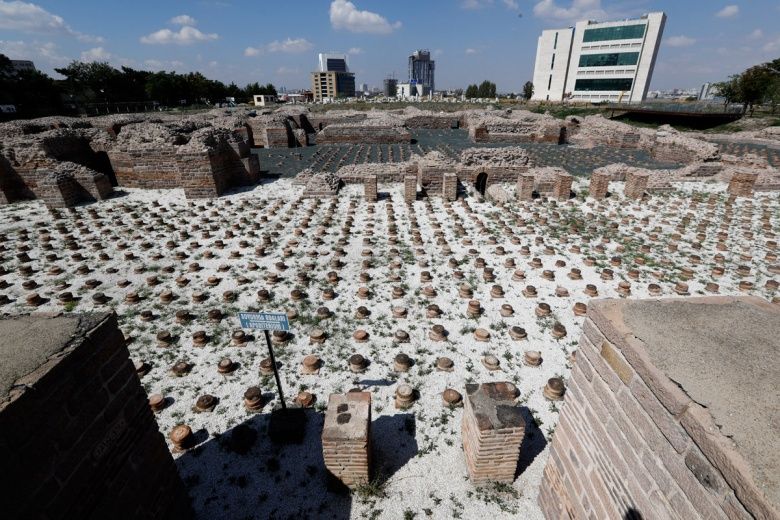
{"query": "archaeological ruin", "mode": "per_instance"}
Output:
(491, 313)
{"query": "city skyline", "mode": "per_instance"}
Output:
(471, 40)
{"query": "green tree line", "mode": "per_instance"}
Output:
(486, 89)
(758, 85)
(36, 94)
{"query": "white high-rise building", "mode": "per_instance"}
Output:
(598, 61)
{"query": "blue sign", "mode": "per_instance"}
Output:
(264, 320)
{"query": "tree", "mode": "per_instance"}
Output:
(472, 91)
(730, 90)
(528, 90)
(487, 89)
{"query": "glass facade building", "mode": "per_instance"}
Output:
(604, 84)
(620, 32)
(609, 59)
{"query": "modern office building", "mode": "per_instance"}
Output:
(333, 62)
(598, 61)
(390, 87)
(421, 69)
(332, 78)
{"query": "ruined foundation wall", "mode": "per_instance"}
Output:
(76, 429)
(336, 134)
(630, 443)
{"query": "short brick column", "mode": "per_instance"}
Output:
(599, 184)
(346, 442)
(742, 183)
(525, 187)
(410, 188)
(636, 184)
(370, 188)
(562, 186)
(449, 189)
(493, 428)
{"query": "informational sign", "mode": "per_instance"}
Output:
(264, 320)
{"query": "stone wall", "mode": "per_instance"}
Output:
(742, 183)
(632, 443)
(636, 184)
(524, 188)
(76, 431)
(341, 134)
(599, 184)
(450, 187)
(410, 188)
(370, 188)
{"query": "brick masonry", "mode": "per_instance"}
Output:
(631, 442)
(525, 186)
(492, 430)
(742, 184)
(346, 437)
(76, 432)
(636, 184)
(370, 188)
(562, 186)
(599, 185)
(410, 188)
(450, 186)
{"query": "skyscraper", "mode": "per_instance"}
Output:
(598, 61)
(333, 62)
(421, 69)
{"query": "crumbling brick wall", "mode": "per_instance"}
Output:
(76, 431)
(631, 443)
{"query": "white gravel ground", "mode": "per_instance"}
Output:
(418, 457)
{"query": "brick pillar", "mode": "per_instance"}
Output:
(562, 186)
(370, 189)
(77, 434)
(525, 186)
(599, 184)
(636, 184)
(493, 428)
(450, 186)
(410, 188)
(742, 183)
(346, 437)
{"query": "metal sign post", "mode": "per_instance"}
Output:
(266, 321)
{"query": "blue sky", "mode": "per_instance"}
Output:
(278, 42)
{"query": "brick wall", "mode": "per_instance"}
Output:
(562, 186)
(346, 437)
(599, 185)
(77, 433)
(630, 443)
(742, 184)
(410, 188)
(636, 184)
(492, 430)
(524, 189)
(450, 186)
(370, 188)
(363, 134)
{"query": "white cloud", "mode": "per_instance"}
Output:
(354, 51)
(46, 52)
(289, 46)
(757, 34)
(728, 11)
(344, 15)
(471, 51)
(680, 41)
(578, 10)
(185, 36)
(183, 19)
(287, 71)
(772, 46)
(30, 18)
(512, 5)
(95, 54)
(475, 4)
